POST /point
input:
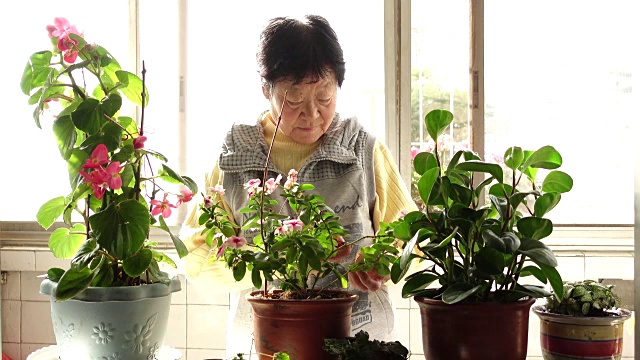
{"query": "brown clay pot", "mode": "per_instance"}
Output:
(474, 331)
(581, 337)
(299, 327)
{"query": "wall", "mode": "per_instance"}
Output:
(198, 322)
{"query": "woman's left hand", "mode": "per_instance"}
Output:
(367, 280)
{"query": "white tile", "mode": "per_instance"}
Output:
(30, 287)
(198, 296)
(620, 267)
(45, 261)
(207, 326)
(177, 328)
(13, 260)
(11, 289)
(628, 341)
(11, 321)
(403, 318)
(415, 332)
(395, 293)
(37, 326)
(12, 350)
(199, 354)
(533, 344)
(180, 297)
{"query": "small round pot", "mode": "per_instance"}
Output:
(474, 331)
(299, 327)
(128, 322)
(580, 337)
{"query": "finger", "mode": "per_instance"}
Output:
(372, 283)
(354, 280)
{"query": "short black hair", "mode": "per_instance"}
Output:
(295, 49)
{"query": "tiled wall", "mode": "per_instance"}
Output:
(198, 321)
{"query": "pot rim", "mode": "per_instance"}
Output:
(119, 293)
(251, 297)
(432, 302)
(541, 311)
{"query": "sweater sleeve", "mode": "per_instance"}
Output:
(200, 266)
(392, 195)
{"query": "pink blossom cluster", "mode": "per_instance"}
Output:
(61, 29)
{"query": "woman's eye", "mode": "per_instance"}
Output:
(294, 103)
(324, 101)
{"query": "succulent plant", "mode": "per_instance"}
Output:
(584, 298)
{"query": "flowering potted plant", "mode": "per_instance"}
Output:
(116, 192)
(477, 252)
(586, 323)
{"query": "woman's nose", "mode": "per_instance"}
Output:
(310, 109)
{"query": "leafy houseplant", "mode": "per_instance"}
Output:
(586, 323)
(478, 251)
(105, 155)
(360, 347)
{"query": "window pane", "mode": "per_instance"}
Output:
(223, 83)
(33, 171)
(439, 72)
(559, 73)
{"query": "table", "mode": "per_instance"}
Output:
(51, 353)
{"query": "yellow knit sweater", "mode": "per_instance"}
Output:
(392, 196)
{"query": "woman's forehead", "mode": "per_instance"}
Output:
(308, 82)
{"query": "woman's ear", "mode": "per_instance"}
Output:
(265, 91)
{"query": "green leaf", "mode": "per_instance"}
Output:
(538, 252)
(65, 133)
(36, 71)
(132, 87)
(177, 243)
(86, 253)
(424, 161)
(104, 276)
(88, 116)
(73, 282)
(405, 258)
(458, 292)
(54, 274)
(547, 157)
(557, 181)
(312, 257)
(478, 166)
(437, 121)
(513, 157)
(494, 241)
(555, 280)
(75, 161)
(256, 279)
(111, 104)
(426, 183)
(50, 211)
(121, 228)
(545, 203)
(535, 227)
(490, 261)
(535, 271)
(136, 265)
(281, 356)
(416, 283)
(239, 270)
(64, 242)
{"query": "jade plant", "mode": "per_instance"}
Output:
(483, 225)
(114, 185)
(584, 298)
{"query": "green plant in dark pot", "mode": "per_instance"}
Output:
(478, 236)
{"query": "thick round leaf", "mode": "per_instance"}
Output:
(546, 203)
(493, 241)
(426, 182)
(555, 280)
(538, 252)
(424, 161)
(136, 265)
(416, 283)
(535, 271)
(511, 242)
(121, 228)
(50, 211)
(478, 166)
(535, 227)
(437, 121)
(547, 157)
(513, 157)
(458, 292)
(490, 261)
(65, 242)
(557, 181)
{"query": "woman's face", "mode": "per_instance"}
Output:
(308, 109)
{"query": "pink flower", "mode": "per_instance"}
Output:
(293, 224)
(292, 178)
(402, 214)
(185, 196)
(221, 250)
(414, 151)
(61, 28)
(99, 157)
(252, 184)
(208, 202)
(68, 45)
(272, 184)
(112, 175)
(218, 189)
(138, 143)
(97, 180)
(163, 207)
(235, 242)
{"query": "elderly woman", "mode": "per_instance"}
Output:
(301, 65)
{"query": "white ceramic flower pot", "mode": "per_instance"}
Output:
(118, 323)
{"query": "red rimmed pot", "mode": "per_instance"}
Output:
(581, 337)
(299, 327)
(474, 331)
